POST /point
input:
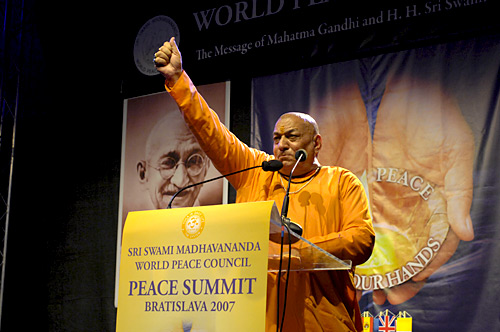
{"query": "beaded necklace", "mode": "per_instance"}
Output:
(306, 181)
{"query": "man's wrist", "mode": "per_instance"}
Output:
(170, 83)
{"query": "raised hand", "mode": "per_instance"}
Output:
(168, 61)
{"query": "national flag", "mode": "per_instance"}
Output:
(404, 322)
(367, 319)
(386, 322)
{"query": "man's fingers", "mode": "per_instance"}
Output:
(165, 51)
(167, 48)
(159, 62)
(398, 294)
(168, 62)
(162, 57)
(447, 250)
(404, 292)
(379, 296)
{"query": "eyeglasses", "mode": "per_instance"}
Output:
(167, 166)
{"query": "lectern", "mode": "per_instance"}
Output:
(205, 268)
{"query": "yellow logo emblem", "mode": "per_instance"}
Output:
(193, 224)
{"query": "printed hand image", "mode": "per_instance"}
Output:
(418, 173)
(427, 148)
(400, 129)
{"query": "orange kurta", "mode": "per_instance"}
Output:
(332, 209)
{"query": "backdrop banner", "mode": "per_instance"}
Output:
(219, 38)
(421, 129)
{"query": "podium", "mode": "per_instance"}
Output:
(205, 268)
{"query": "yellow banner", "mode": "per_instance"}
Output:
(195, 269)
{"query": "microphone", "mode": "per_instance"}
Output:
(300, 155)
(272, 165)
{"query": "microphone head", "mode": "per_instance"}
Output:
(302, 154)
(272, 165)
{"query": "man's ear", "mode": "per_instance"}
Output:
(318, 143)
(141, 171)
(207, 166)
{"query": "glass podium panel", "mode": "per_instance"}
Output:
(305, 255)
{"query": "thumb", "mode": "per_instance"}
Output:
(175, 49)
(459, 217)
(458, 160)
(458, 192)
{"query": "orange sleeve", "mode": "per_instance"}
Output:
(355, 237)
(227, 152)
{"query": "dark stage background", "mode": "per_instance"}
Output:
(76, 68)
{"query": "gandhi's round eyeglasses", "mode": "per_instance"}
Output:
(167, 166)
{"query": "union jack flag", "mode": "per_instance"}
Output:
(386, 323)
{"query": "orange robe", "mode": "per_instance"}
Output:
(332, 209)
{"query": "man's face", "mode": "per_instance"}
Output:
(291, 133)
(172, 165)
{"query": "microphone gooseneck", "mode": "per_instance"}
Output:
(300, 155)
(268, 166)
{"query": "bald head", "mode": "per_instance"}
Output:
(170, 130)
(309, 122)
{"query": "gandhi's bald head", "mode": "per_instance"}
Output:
(168, 131)
(173, 160)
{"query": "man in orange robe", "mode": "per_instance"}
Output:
(328, 202)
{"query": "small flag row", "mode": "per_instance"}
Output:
(386, 321)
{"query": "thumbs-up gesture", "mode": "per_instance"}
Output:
(168, 61)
